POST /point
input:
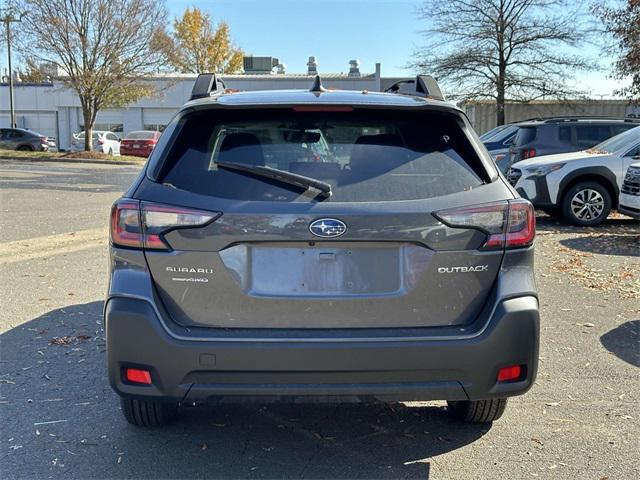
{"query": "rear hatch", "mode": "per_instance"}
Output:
(522, 146)
(394, 244)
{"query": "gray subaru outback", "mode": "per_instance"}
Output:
(320, 244)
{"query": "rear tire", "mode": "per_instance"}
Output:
(25, 148)
(478, 411)
(110, 153)
(586, 204)
(147, 413)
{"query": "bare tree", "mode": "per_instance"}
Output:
(622, 22)
(498, 49)
(106, 48)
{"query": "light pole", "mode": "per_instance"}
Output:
(9, 18)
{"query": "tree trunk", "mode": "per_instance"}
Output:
(88, 128)
(500, 117)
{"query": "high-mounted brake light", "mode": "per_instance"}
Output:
(322, 108)
(137, 225)
(528, 153)
(508, 224)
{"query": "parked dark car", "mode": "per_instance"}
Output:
(562, 135)
(21, 139)
(139, 143)
(247, 260)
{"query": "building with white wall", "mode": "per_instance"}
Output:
(54, 110)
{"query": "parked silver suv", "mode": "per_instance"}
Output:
(331, 244)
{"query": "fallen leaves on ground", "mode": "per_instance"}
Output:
(69, 339)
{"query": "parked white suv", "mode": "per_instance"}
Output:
(581, 187)
(103, 141)
(630, 194)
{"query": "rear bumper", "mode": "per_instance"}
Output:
(135, 152)
(195, 370)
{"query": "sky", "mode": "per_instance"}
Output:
(335, 31)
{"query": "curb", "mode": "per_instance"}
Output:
(75, 160)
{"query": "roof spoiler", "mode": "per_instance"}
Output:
(422, 86)
(206, 85)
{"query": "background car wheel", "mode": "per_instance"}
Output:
(478, 411)
(586, 204)
(25, 148)
(147, 413)
(110, 152)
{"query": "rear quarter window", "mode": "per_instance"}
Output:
(372, 156)
(525, 135)
(590, 135)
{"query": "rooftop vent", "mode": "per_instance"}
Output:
(259, 65)
(354, 68)
(312, 66)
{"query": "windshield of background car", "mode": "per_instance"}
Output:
(492, 133)
(619, 142)
(369, 156)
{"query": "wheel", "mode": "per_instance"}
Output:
(25, 148)
(478, 411)
(586, 204)
(110, 153)
(147, 413)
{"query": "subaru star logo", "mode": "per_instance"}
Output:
(327, 227)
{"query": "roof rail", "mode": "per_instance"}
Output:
(424, 86)
(206, 85)
(575, 118)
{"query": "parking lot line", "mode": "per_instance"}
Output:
(50, 245)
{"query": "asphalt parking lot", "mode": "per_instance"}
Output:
(60, 419)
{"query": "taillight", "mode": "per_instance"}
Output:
(508, 224)
(522, 224)
(142, 224)
(126, 230)
(529, 153)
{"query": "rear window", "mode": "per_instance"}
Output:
(372, 156)
(140, 136)
(525, 135)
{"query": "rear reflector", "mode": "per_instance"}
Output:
(510, 374)
(138, 376)
(138, 225)
(508, 224)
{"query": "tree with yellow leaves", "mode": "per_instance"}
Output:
(198, 46)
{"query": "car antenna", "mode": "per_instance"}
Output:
(317, 85)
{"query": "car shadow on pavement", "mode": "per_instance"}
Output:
(624, 342)
(60, 419)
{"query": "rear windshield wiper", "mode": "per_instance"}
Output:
(280, 175)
